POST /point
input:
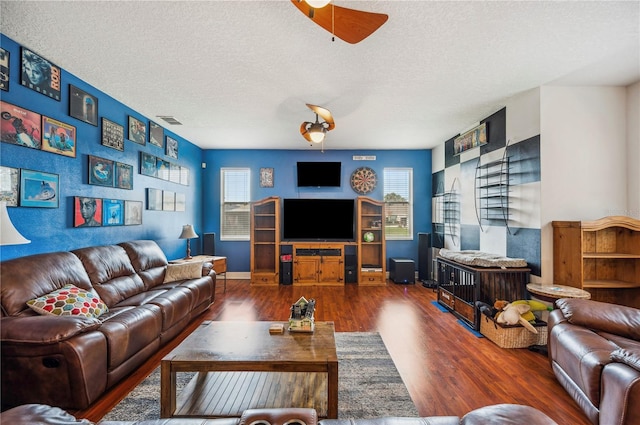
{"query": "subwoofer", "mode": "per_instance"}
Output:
(350, 264)
(425, 263)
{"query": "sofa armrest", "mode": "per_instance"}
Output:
(44, 329)
(628, 356)
(613, 318)
(41, 414)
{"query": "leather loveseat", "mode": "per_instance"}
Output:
(70, 360)
(499, 414)
(594, 350)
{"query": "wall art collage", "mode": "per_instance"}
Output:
(23, 127)
(165, 200)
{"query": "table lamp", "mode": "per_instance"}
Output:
(188, 233)
(9, 235)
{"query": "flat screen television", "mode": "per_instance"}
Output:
(318, 219)
(319, 174)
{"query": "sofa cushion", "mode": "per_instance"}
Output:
(29, 277)
(612, 318)
(630, 357)
(148, 260)
(69, 301)
(111, 272)
(184, 271)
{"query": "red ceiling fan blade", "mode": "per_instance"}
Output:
(349, 25)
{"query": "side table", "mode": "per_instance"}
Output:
(219, 264)
(550, 293)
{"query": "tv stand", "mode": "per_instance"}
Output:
(330, 263)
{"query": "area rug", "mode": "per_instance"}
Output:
(369, 384)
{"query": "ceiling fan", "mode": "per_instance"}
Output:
(314, 132)
(350, 25)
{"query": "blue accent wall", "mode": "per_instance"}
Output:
(51, 229)
(284, 164)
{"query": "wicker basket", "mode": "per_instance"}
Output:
(513, 336)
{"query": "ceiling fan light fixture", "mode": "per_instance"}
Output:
(317, 4)
(317, 132)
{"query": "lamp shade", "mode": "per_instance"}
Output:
(9, 235)
(188, 232)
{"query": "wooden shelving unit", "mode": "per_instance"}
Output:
(600, 256)
(371, 255)
(265, 241)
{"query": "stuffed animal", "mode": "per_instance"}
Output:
(535, 306)
(511, 314)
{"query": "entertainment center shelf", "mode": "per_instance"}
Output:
(361, 260)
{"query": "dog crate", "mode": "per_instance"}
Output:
(460, 286)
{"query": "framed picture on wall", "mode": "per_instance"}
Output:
(174, 173)
(40, 75)
(112, 134)
(124, 176)
(4, 69)
(87, 211)
(148, 164)
(100, 171)
(39, 189)
(132, 213)
(137, 131)
(58, 137)
(112, 212)
(172, 148)
(9, 185)
(20, 126)
(473, 138)
(181, 202)
(168, 200)
(156, 134)
(266, 177)
(184, 176)
(83, 106)
(154, 199)
(162, 169)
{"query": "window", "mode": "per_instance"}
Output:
(398, 203)
(235, 207)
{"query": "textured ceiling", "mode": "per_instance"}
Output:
(237, 74)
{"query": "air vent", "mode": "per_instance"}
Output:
(169, 119)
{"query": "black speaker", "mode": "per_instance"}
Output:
(425, 264)
(209, 244)
(350, 264)
(286, 264)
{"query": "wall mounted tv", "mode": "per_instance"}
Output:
(319, 174)
(318, 219)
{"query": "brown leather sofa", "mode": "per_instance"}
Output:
(69, 361)
(594, 350)
(499, 414)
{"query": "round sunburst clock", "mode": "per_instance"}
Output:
(363, 180)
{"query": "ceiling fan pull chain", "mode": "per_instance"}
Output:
(333, 24)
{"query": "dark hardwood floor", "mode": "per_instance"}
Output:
(447, 370)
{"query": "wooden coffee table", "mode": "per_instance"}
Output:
(242, 366)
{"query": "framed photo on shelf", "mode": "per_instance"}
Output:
(266, 177)
(9, 185)
(148, 165)
(168, 200)
(156, 134)
(112, 134)
(40, 75)
(83, 106)
(154, 199)
(471, 139)
(171, 148)
(58, 137)
(100, 171)
(87, 211)
(132, 213)
(124, 176)
(181, 202)
(137, 131)
(4, 69)
(20, 126)
(39, 189)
